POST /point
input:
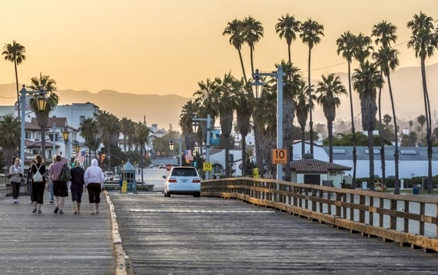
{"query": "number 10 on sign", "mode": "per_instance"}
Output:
(279, 156)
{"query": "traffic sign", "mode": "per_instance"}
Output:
(207, 167)
(279, 156)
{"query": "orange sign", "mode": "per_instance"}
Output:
(279, 156)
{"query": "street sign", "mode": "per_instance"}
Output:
(207, 167)
(279, 156)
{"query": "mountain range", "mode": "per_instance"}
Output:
(164, 110)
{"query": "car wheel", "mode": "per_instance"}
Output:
(197, 195)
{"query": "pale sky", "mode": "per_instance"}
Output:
(168, 46)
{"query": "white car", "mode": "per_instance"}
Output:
(182, 180)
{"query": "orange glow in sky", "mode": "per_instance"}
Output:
(168, 46)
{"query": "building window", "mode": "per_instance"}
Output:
(27, 135)
(81, 119)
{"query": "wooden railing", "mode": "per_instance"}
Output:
(406, 219)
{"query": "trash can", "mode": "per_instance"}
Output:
(415, 190)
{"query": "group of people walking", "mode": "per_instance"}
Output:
(41, 178)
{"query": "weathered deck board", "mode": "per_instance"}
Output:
(49, 243)
(186, 235)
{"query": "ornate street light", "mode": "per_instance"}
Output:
(41, 106)
(257, 93)
(171, 145)
(65, 137)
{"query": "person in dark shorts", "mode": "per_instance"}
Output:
(38, 186)
(94, 181)
(77, 185)
(60, 189)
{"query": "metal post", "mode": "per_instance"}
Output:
(207, 154)
(53, 139)
(279, 118)
(23, 114)
(180, 152)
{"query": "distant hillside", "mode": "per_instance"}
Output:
(166, 109)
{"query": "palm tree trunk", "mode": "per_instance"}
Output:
(310, 104)
(18, 92)
(243, 66)
(353, 131)
(259, 151)
(396, 155)
(289, 53)
(251, 52)
(244, 167)
(227, 159)
(371, 158)
(428, 126)
(330, 137)
(382, 145)
(303, 141)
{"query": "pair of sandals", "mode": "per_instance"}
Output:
(35, 211)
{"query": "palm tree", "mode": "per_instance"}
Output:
(235, 30)
(367, 79)
(387, 119)
(244, 108)
(15, 53)
(302, 110)
(388, 61)
(328, 92)
(424, 40)
(10, 137)
(288, 27)
(90, 132)
(252, 33)
(363, 47)
(49, 86)
(385, 35)
(141, 138)
(346, 45)
(226, 106)
(127, 130)
(421, 119)
(109, 126)
(311, 32)
(189, 110)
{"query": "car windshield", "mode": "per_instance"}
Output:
(184, 172)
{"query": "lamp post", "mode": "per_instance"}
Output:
(41, 106)
(195, 130)
(77, 149)
(171, 147)
(53, 139)
(258, 84)
(65, 136)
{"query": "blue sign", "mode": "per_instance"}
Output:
(215, 137)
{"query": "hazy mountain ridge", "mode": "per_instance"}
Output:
(166, 109)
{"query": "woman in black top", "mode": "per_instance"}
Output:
(77, 185)
(38, 185)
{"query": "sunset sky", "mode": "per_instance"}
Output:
(167, 46)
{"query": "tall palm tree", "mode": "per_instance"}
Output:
(363, 47)
(189, 110)
(328, 92)
(10, 137)
(346, 45)
(226, 106)
(235, 30)
(387, 59)
(387, 119)
(109, 126)
(424, 41)
(288, 27)
(384, 34)
(252, 33)
(90, 132)
(366, 79)
(15, 53)
(311, 32)
(49, 86)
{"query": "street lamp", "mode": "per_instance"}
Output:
(257, 85)
(65, 136)
(207, 151)
(171, 147)
(41, 106)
